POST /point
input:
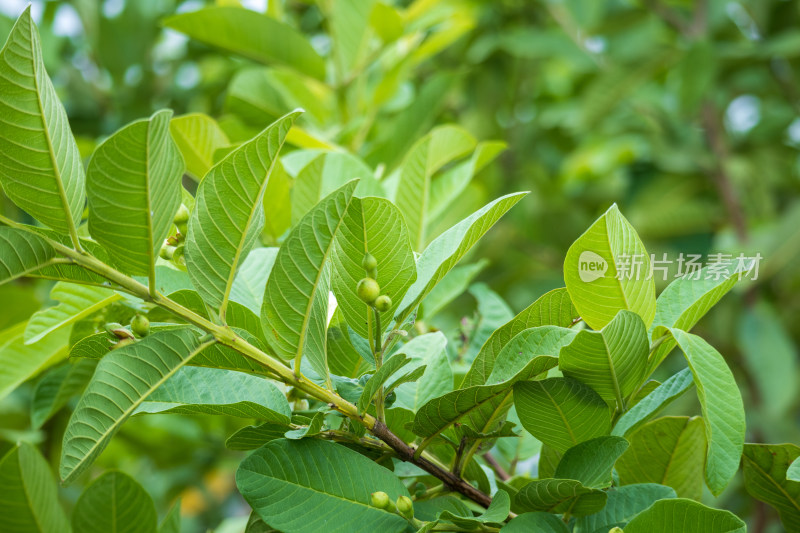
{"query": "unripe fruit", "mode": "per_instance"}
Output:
(301, 405)
(405, 506)
(178, 256)
(140, 326)
(380, 500)
(383, 303)
(368, 289)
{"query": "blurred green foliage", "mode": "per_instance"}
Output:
(685, 113)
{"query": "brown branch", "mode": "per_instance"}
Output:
(499, 470)
(716, 141)
(450, 480)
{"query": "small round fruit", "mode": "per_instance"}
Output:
(383, 303)
(368, 289)
(140, 326)
(379, 500)
(405, 506)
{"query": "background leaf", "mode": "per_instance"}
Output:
(252, 35)
(766, 479)
(29, 501)
(114, 502)
(197, 136)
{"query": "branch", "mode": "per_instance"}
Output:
(226, 336)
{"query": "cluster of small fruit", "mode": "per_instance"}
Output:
(368, 289)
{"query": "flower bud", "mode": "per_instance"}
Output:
(405, 507)
(140, 326)
(370, 265)
(380, 500)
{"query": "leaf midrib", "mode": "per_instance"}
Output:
(61, 192)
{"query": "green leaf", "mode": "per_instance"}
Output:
(218, 392)
(446, 187)
(252, 35)
(133, 183)
(349, 23)
(278, 203)
(57, 387)
(30, 494)
(252, 437)
(684, 516)
(366, 228)
(653, 402)
(389, 367)
(40, 168)
(172, 522)
(123, 380)
(611, 361)
(623, 504)
(539, 522)
(248, 285)
(295, 309)
(451, 287)
(495, 514)
(76, 302)
(687, 299)
(721, 403)
(314, 427)
(302, 486)
(197, 136)
(760, 332)
(793, 473)
(439, 413)
(22, 253)
(114, 502)
(441, 146)
(599, 293)
(591, 462)
(343, 357)
(326, 172)
(228, 215)
(425, 351)
(20, 360)
(766, 475)
(448, 248)
(669, 451)
(553, 308)
(561, 412)
(560, 496)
